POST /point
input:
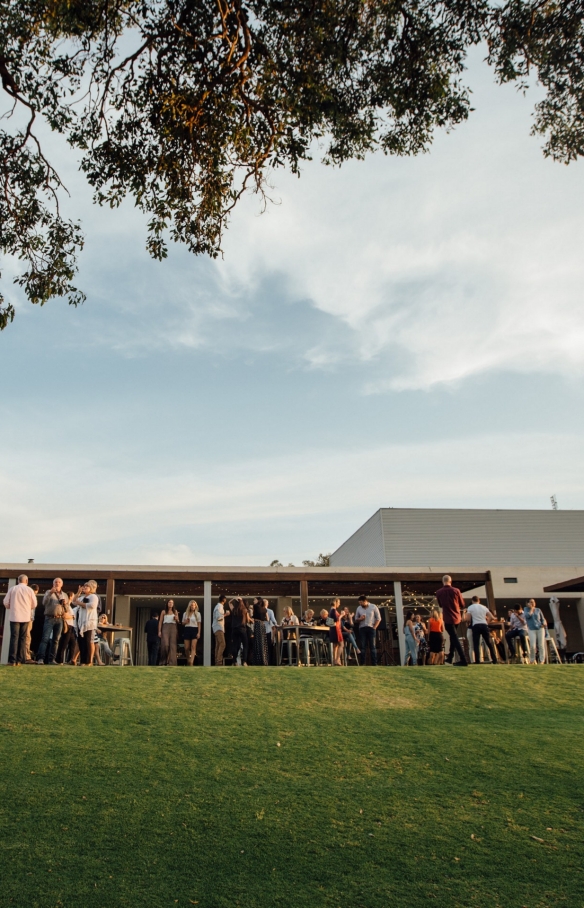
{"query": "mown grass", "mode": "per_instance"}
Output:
(163, 787)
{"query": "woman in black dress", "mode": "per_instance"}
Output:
(239, 621)
(260, 640)
(335, 633)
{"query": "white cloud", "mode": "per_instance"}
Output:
(290, 506)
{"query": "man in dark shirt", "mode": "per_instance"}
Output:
(451, 602)
(152, 638)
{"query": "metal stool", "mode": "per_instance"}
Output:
(122, 651)
(290, 643)
(347, 650)
(307, 645)
(323, 654)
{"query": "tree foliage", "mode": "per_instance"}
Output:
(183, 105)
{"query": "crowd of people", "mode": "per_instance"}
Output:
(73, 631)
(70, 624)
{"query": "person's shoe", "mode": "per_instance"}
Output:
(40, 662)
(53, 663)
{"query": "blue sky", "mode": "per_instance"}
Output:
(397, 332)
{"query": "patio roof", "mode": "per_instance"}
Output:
(576, 585)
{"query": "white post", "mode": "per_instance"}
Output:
(207, 622)
(399, 614)
(6, 635)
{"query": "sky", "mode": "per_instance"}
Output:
(394, 333)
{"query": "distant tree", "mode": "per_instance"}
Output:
(276, 563)
(183, 105)
(321, 561)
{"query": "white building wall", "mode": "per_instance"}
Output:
(410, 537)
(364, 548)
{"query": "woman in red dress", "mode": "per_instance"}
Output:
(335, 632)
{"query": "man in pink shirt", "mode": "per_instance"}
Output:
(20, 601)
(451, 602)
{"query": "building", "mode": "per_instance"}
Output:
(525, 551)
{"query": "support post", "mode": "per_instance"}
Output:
(399, 614)
(303, 597)
(110, 591)
(207, 622)
(6, 634)
(492, 605)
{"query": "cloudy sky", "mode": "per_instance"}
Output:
(399, 333)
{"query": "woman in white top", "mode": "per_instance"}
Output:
(167, 631)
(87, 604)
(192, 630)
(289, 617)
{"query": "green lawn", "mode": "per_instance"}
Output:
(284, 787)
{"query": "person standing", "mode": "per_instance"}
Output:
(219, 615)
(239, 622)
(152, 638)
(410, 638)
(536, 628)
(517, 631)
(68, 641)
(271, 625)
(335, 632)
(27, 646)
(168, 633)
(481, 617)
(87, 608)
(436, 628)
(451, 602)
(367, 619)
(192, 631)
(261, 655)
(54, 602)
(20, 601)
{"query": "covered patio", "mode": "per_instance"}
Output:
(131, 592)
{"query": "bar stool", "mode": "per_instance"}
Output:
(290, 643)
(348, 650)
(122, 651)
(323, 651)
(307, 646)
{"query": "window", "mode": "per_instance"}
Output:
(509, 579)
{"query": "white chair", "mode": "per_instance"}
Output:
(122, 651)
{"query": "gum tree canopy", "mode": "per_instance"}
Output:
(185, 104)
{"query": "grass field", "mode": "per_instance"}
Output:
(284, 787)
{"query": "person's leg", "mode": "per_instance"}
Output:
(484, 632)
(541, 646)
(532, 645)
(164, 643)
(219, 647)
(511, 637)
(150, 645)
(14, 638)
(523, 641)
(476, 643)
(46, 635)
(172, 644)
(89, 647)
(411, 649)
(245, 644)
(27, 653)
(454, 644)
(55, 637)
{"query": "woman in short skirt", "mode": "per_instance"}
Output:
(192, 631)
(436, 628)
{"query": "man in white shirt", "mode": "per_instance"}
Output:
(367, 619)
(480, 616)
(21, 602)
(218, 626)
